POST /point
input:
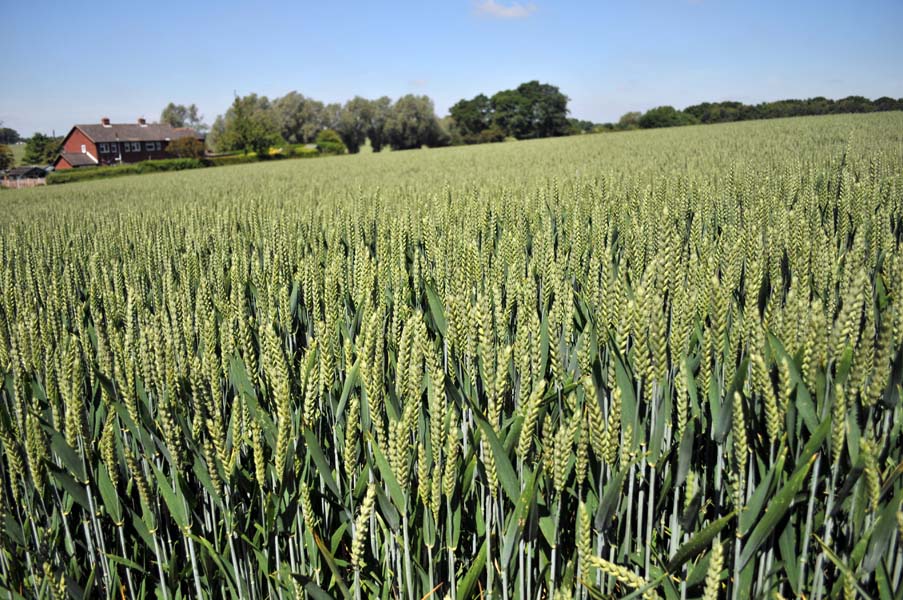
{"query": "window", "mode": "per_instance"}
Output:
(159, 146)
(136, 146)
(104, 148)
(84, 149)
(114, 147)
(149, 146)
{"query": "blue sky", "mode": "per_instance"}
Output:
(70, 62)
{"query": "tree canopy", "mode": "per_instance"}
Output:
(9, 135)
(6, 157)
(179, 115)
(532, 110)
(41, 149)
(666, 116)
(249, 125)
(412, 123)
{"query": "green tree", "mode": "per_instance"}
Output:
(300, 119)
(179, 115)
(216, 138)
(548, 109)
(510, 113)
(412, 123)
(353, 123)
(7, 159)
(471, 117)
(379, 113)
(629, 120)
(533, 110)
(250, 125)
(41, 149)
(330, 142)
(186, 147)
(9, 136)
(665, 116)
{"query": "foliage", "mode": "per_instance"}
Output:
(179, 115)
(665, 116)
(354, 122)
(378, 114)
(9, 136)
(661, 364)
(147, 166)
(721, 112)
(300, 119)
(186, 147)
(7, 158)
(578, 126)
(41, 149)
(471, 117)
(330, 142)
(412, 123)
(250, 126)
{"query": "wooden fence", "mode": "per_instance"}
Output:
(13, 183)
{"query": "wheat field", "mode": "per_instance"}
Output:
(660, 363)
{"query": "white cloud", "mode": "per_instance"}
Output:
(499, 10)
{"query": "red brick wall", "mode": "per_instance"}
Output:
(74, 143)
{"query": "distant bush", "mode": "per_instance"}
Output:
(186, 147)
(301, 151)
(231, 159)
(492, 134)
(330, 142)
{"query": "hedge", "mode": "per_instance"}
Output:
(170, 164)
(147, 166)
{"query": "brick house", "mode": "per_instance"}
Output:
(108, 143)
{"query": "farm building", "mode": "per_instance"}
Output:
(23, 177)
(108, 143)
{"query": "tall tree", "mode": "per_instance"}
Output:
(6, 157)
(179, 115)
(353, 123)
(412, 123)
(41, 149)
(380, 110)
(533, 110)
(547, 109)
(510, 113)
(471, 117)
(8, 135)
(666, 116)
(300, 119)
(250, 125)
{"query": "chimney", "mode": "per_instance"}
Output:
(142, 121)
(105, 121)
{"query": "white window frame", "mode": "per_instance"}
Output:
(104, 148)
(84, 149)
(136, 146)
(149, 146)
(114, 147)
(159, 146)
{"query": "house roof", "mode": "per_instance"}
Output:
(27, 171)
(77, 159)
(134, 132)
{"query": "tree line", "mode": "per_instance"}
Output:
(255, 123)
(532, 110)
(729, 111)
